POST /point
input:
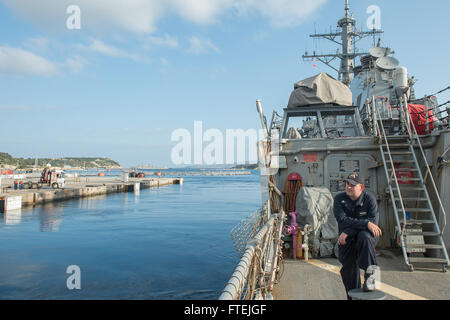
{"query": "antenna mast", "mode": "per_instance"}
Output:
(349, 35)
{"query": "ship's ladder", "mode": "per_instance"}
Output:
(419, 233)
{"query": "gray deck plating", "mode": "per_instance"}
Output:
(319, 279)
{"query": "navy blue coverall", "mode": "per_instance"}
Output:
(358, 252)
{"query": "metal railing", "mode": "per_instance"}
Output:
(413, 134)
(437, 113)
(256, 271)
(434, 117)
(392, 177)
(381, 134)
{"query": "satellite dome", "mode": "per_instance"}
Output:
(387, 63)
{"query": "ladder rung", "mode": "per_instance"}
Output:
(402, 161)
(424, 246)
(405, 188)
(407, 179)
(417, 221)
(425, 259)
(411, 199)
(422, 233)
(416, 209)
(397, 153)
(396, 145)
(397, 137)
(403, 169)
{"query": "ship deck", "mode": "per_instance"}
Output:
(319, 279)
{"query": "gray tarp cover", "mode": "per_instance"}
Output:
(320, 89)
(315, 207)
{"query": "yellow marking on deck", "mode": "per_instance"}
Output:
(393, 291)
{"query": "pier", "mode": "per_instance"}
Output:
(207, 173)
(77, 187)
(180, 173)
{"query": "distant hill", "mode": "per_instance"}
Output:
(21, 163)
(6, 158)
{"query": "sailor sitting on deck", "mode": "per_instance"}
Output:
(356, 212)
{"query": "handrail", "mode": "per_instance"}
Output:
(440, 91)
(432, 109)
(416, 136)
(236, 284)
(277, 253)
(434, 114)
(393, 171)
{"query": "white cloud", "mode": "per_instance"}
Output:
(201, 11)
(37, 43)
(99, 46)
(166, 41)
(76, 64)
(280, 13)
(131, 15)
(142, 16)
(198, 46)
(138, 16)
(20, 62)
(164, 62)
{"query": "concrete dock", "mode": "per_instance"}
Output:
(208, 173)
(80, 187)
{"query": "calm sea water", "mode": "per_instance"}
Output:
(171, 242)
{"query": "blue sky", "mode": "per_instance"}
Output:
(137, 70)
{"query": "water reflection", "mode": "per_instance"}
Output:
(92, 202)
(51, 217)
(12, 217)
(137, 195)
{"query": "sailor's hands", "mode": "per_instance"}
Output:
(342, 238)
(376, 231)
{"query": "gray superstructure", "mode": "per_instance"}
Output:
(384, 97)
(369, 121)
